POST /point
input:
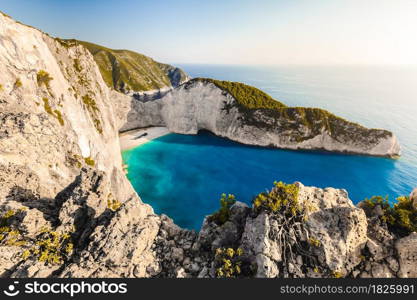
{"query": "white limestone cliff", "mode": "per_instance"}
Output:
(49, 131)
(201, 105)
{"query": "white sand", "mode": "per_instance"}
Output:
(128, 141)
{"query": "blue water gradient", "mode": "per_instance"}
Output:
(183, 176)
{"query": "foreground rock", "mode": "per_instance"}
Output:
(340, 240)
(57, 118)
(331, 238)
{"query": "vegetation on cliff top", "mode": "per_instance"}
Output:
(262, 111)
(401, 217)
(246, 95)
(282, 198)
(50, 247)
(222, 215)
(126, 70)
(47, 246)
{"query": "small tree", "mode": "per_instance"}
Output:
(43, 78)
(222, 215)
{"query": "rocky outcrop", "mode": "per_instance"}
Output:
(387, 254)
(111, 243)
(57, 117)
(201, 104)
(340, 241)
(56, 111)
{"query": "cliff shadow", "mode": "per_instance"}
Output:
(202, 138)
(26, 197)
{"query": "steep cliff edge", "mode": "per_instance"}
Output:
(56, 117)
(68, 210)
(56, 112)
(249, 116)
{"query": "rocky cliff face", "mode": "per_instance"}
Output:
(56, 118)
(67, 209)
(201, 104)
(56, 112)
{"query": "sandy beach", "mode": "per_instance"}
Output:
(129, 140)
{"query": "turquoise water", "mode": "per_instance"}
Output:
(183, 176)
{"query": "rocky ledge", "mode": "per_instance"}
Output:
(321, 235)
(290, 231)
(249, 116)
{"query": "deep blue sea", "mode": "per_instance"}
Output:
(184, 176)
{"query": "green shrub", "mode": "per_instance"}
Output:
(66, 43)
(314, 242)
(124, 70)
(46, 106)
(77, 65)
(18, 83)
(222, 215)
(226, 263)
(97, 125)
(43, 78)
(401, 217)
(74, 160)
(336, 274)
(112, 203)
(282, 198)
(6, 217)
(58, 115)
(230, 263)
(9, 233)
(89, 161)
(1, 88)
(55, 113)
(405, 215)
(50, 247)
(90, 103)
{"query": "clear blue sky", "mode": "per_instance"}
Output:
(236, 31)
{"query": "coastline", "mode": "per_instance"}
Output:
(128, 139)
